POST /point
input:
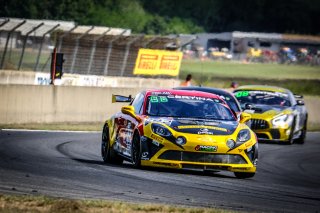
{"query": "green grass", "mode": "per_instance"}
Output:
(11, 203)
(226, 69)
(303, 80)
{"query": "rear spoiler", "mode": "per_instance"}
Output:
(121, 98)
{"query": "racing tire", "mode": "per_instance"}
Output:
(136, 151)
(107, 153)
(303, 134)
(244, 175)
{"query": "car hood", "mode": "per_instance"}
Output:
(197, 126)
(267, 110)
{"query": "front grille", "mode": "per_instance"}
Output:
(259, 124)
(203, 167)
(275, 133)
(200, 157)
(262, 136)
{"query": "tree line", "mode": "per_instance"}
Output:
(177, 16)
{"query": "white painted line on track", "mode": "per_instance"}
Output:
(37, 130)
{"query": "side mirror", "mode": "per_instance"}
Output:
(300, 102)
(248, 106)
(244, 117)
(298, 96)
(129, 110)
(121, 98)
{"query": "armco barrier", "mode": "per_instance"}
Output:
(53, 104)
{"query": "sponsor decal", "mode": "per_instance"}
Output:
(161, 93)
(186, 97)
(249, 144)
(166, 121)
(156, 137)
(144, 156)
(206, 148)
(240, 150)
(156, 143)
(203, 127)
(204, 132)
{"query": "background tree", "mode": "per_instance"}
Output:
(177, 16)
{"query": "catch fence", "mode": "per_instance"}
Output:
(28, 45)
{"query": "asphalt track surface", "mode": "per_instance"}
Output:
(68, 164)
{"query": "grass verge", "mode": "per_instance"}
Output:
(15, 203)
(299, 79)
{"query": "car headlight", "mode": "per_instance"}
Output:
(231, 143)
(243, 135)
(160, 130)
(181, 140)
(282, 120)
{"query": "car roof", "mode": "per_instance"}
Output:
(263, 88)
(181, 92)
(206, 89)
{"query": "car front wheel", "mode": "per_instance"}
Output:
(107, 153)
(136, 151)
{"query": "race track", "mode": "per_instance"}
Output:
(68, 164)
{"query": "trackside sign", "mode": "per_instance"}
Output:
(157, 62)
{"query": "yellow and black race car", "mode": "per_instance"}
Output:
(182, 130)
(277, 114)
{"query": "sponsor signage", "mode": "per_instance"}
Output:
(157, 62)
(206, 148)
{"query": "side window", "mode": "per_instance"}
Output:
(137, 103)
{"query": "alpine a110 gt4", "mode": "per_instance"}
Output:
(181, 130)
(277, 114)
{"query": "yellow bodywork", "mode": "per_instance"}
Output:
(268, 133)
(283, 132)
(194, 140)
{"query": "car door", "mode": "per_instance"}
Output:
(126, 125)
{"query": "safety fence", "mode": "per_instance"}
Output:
(28, 45)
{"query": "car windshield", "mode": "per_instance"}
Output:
(263, 97)
(188, 106)
(231, 102)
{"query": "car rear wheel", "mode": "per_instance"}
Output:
(107, 153)
(243, 175)
(136, 151)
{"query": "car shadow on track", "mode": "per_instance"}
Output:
(128, 165)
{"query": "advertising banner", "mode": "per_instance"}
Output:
(158, 62)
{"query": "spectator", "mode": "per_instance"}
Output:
(234, 85)
(187, 82)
